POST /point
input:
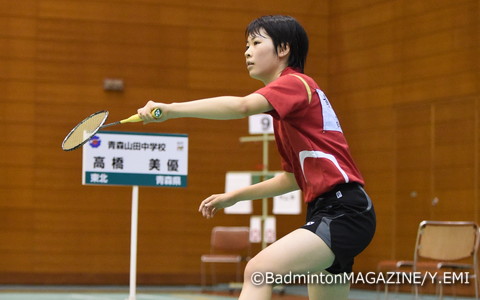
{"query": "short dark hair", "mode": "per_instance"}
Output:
(283, 30)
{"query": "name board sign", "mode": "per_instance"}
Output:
(131, 158)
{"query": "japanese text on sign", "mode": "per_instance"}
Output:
(123, 158)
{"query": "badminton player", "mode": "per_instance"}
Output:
(315, 158)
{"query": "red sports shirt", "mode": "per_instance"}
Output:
(308, 135)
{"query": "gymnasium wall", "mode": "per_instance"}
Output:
(53, 60)
(402, 75)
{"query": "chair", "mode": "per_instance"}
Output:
(392, 267)
(440, 246)
(227, 245)
(453, 245)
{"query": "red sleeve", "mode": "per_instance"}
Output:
(287, 167)
(287, 95)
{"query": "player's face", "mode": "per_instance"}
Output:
(262, 61)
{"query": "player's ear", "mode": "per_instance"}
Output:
(283, 50)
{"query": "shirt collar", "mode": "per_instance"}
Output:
(288, 70)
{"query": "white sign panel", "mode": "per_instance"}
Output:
(255, 229)
(270, 229)
(127, 158)
(261, 123)
(234, 181)
(288, 204)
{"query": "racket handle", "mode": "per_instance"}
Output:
(156, 113)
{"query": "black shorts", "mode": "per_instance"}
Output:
(344, 219)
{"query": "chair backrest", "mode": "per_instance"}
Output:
(230, 240)
(447, 240)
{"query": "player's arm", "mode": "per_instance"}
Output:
(217, 108)
(278, 185)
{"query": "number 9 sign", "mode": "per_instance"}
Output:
(261, 123)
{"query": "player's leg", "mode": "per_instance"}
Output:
(299, 252)
(338, 291)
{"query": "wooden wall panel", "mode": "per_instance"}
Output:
(413, 68)
(362, 64)
(402, 76)
(54, 58)
(454, 159)
(26, 8)
(413, 169)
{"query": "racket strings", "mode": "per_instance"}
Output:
(84, 130)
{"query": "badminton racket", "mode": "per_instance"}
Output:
(87, 128)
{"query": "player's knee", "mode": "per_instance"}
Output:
(249, 269)
(262, 266)
(254, 266)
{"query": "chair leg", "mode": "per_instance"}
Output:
(476, 286)
(237, 275)
(397, 290)
(214, 275)
(202, 275)
(385, 291)
(377, 291)
(440, 290)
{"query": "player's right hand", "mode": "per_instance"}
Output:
(146, 115)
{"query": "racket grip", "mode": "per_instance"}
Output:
(156, 113)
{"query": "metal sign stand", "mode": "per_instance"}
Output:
(264, 138)
(105, 163)
(133, 244)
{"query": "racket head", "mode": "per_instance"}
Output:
(91, 124)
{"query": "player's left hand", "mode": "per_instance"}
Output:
(211, 205)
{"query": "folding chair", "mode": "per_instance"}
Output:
(440, 246)
(453, 245)
(395, 266)
(227, 245)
